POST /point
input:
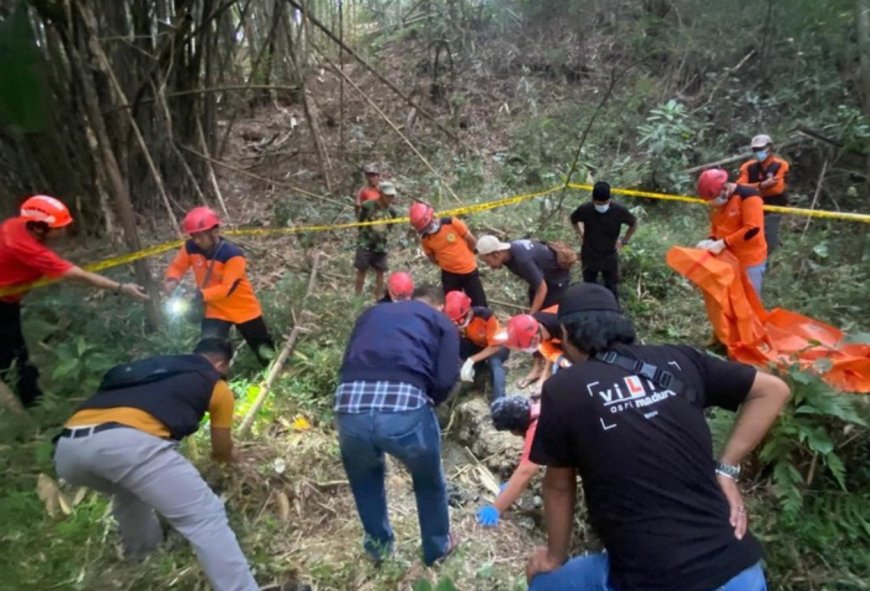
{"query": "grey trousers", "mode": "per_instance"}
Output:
(143, 474)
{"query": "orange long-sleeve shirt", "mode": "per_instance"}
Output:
(740, 223)
(228, 295)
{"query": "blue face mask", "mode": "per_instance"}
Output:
(601, 208)
(761, 155)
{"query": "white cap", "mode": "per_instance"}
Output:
(489, 244)
(760, 141)
(387, 188)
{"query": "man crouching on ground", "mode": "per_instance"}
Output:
(122, 442)
(629, 420)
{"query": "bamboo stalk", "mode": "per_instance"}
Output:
(372, 69)
(211, 175)
(395, 127)
(103, 64)
(262, 178)
(278, 364)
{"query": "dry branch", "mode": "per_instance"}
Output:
(395, 127)
(371, 69)
(817, 193)
(262, 178)
(278, 364)
(102, 62)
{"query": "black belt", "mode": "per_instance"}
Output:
(78, 433)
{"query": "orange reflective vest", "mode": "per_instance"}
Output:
(228, 295)
(753, 172)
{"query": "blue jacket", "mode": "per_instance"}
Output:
(407, 342)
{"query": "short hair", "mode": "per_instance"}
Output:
(430, 293)
(601, 191)
(214, 347)
(511, 413)
(596, 331)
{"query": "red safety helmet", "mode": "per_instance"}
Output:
(521, 331)
(421, 215)
(45, 209)
(400, 286)
(710, 183)
(200, 219)
(456, 305)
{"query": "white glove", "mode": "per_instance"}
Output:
(715, 246)
(703, 244)
(466, 374)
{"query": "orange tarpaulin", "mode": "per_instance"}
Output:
(760, 337)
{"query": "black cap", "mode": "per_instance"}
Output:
(601, 191)
(586, 297)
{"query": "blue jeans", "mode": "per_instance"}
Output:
(590, 573)
(414, 438)
(756, 276)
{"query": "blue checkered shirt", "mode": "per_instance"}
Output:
(363, 396)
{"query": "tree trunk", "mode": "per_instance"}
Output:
(116, 184)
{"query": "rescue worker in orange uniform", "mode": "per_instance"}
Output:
(540, 334)
(221, 281)
(449, 244)
(769, 174)
(737, 223)
(25, 258)
(370, 191)
(478, 329)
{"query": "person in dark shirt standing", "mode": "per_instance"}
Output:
(629, 421)
(534, 262)
(598, 223)
(401, 361)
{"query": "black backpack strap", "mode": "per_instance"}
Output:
(658, 376)
(211, 265)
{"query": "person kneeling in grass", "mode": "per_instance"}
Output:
(519, 415)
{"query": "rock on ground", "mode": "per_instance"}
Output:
(498, 450)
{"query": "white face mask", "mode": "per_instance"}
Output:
(466, 322)
(719, 201)
(433, 227)
(602, 208)
(530, 349)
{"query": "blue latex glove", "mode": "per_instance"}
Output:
(487, 516)
(502, 486)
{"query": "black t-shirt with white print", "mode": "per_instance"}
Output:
(645, 456)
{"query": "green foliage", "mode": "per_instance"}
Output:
(806, 432)
(667, 134)
(444, 584)
(23, 96)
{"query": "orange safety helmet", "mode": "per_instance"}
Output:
(200, 219)
(521, 332)
(456, 305)
(421, 215)
(710, 183)
(45, 209)
(400, 286)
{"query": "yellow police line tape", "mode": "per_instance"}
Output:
(463, 210)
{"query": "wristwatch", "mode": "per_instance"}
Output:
(728, 470)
